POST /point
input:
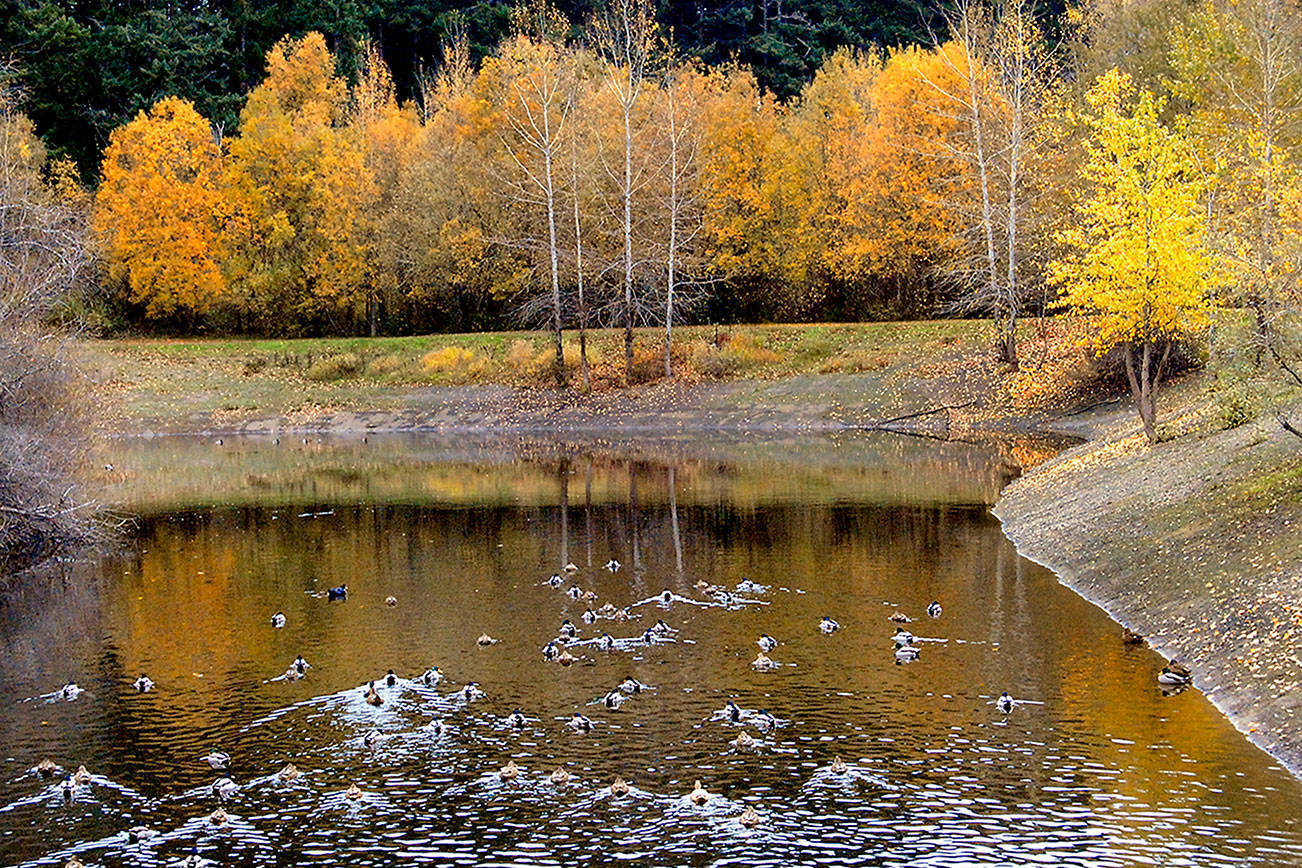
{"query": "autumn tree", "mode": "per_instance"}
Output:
(1136, 262)
(159, 210)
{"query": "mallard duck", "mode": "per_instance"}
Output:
(631, 686)
(906, 653)
(1130, 637)
(666, 596)
(568, 630)
(613, 565)
(561, 776)
(565, 658)
(278, 620)
(590, 596)
(575, 592)
(1004, 703)
(516, 719)
(614, 699)
(622, 614)
(432, 676)
(901, 618)
(136, 834)
(339, 593)
(606, 642)
(1180, 669)
(827, 625)
(371, 738)
(435, 726)
(288, 773)
(81, 777)
(373, 696)
(762, 662)
(589, 616)
(485, 640)
(390, 601)
(46, 768)
(510, 771)
(224, 788)
(291, 674)
(838, 766)
(749, 818)
(390, 679)
(217, 760)
(571, 569)
(70, 691)
(470, 692)
(732, 711)
(607, 611)
(218, 817)
(74, 862)
(1171, 677)
(68, 788)
(619, 787)
(934, 609)
(353, 793)
(699, 795)
(551, 650)
(649, 637)
(580, 723)
(143, 684)
(555, 581)
(767, 643)
(743, 741)
(300, 665)
(902, 637)
(660, 628)
(764, 720)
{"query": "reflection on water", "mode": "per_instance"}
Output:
(1106, 771)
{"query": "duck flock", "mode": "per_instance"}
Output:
(572, 645)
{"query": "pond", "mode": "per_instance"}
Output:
(1093, 765)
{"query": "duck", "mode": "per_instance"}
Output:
(431, 676)
(900, 618)
(516, 719)
(561, 776)
(485, 640)
(288, 773)
(749, 818)
(218, 817)
(510, 771)
(619, 787)
(68, 788)
(224, 788)
(390, 601)
(743, 741)
(762, 662)
(81, 777)
(136, 834)
(555, 581)
(300, 665)
(278, 620)
(838, 766)
(470, 692)
(339, 593)
(568, 630)
(613, 565)
(622, 614)
(660, 628)
(827, 625)
(373, 696)
(46, 768)
(575, 592)
(390, 679)
(551, 650)
(566, 658)
(732, 711)
(607, 610)
(767, 643)
(580, 722)
(70, 691)
(570, 569)
(934, 610)
(143, 684)
(292, 674)
(589, 616)
(590, 596)
(906, 653)
(435, 727)
(74, 862)
(699, 795)
(606, 642)
(1004, 703)
(902, 637)
(353, 793)
(217, 760)
(1171, 677)
(614, 699)
(765, 721)
(371, 738)
(666, 596)
(1130, 637)
(632, 686)
(1180, 669)
(649, 637)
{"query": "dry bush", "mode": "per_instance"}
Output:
(454, 364)
(385, 365)
(335, 367)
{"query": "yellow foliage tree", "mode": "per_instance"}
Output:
(159, 208)
(1136, 262)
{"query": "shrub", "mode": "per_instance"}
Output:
(384, 365)
(454, 364)
(334, 367)
(1233, 407)
(254, 365)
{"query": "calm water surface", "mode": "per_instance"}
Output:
(1097, 768)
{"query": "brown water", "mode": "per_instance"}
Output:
(1098, 767)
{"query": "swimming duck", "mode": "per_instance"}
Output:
(732, 711)
(614, 699)
(934, 609)
(291, 674)
(1170, 676)
(1180, 669)
(68, 788)
(1130, 637)
(70, 691)
(74, 862)
(485, 640)
(561, 776)
(571, 569)
(699, 795)
(648, 637)
(278, 620)
(435, 726)
(218, 817)
(566, 658)
(749, 818)
(353, 793)
(371, 738)
(143, 684)
(288, 773)
(575, 592)
(765, 721)
(300, 665)
(666, 596)
(619, 787)
(510, 771)
(838, 766)
(622, 615)
(606, 642)
(1004, 703)
(555, 581)
(432, 676)
(373, 696)
(589, 616)
(390, 679)
(743, 741)
(224, 788)
(390, 601)
(901, 618)
(902, 636)
(827, 625)
(631, 686)
(906, 653)
(660, 628)
(590, 596)
(607, 611)
(46, 768)
(470, 692)
(339, 593)
(767, 643)
(516, 719)
(613, 565)
(763, 662)
(568, 630)
(136, 834)
(81, 777)
(580, 723)
(217, 760)
(551, 651)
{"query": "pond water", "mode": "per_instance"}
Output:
(1095, 767)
